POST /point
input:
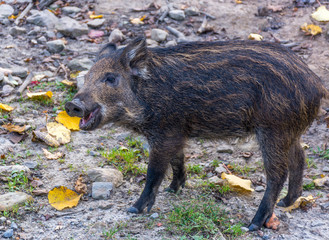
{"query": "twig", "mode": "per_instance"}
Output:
(26, 10)
(64, 69)
(175, 32)
(164, 14)
(25, 84)
(45, 3)
(229, 172)
(208, 15)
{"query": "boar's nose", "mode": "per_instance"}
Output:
(75, 108)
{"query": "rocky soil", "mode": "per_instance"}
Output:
(62, 44)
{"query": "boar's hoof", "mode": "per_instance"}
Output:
(253, 227)
(133, 210)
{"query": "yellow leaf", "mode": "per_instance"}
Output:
(238, 1)
(14, 128)
(48, 94)
(71, 123)
(59, 132)
(321, 14)
(311, 29)
(67, 82)
(12, 17)
(45, 137)
(38, 77)
(320, 182)
(61, 197)
(52, 156)
(136, 21)
(255, 36)
(300, 202)
(6, 107)
(237, 183)
(92, 16)
(74, 74)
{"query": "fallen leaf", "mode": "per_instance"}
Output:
(44, 137)
(80, 186)
(14, 128)
(38, 77)
(74, 74)
(321, 14)
(304, 145)
(255, 36)
(238, 1)
(59, 132)
(320, 182)
(137, 21)
(48, 94)
(311, 29)
(39, 192)
(61, 197)
(92, 16)
(15, 137)
(36, 183)
(52, 156)
(273, 222)
(68, 83)
(6, 107)
(237, 183)
(300, 202)
(71, 123)
(12, 17)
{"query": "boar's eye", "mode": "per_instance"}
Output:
(111, 78)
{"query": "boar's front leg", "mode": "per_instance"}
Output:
(162, 152)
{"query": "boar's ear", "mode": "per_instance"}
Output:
(135, 54)
(106, 51)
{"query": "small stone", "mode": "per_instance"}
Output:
(307, 181)
(7, 170)
(171, 43)
(71, 28)
(43, 18)
(158, 35)
(70, 10)
(106, 175)
(81, 79)
(2, 219)
(225, 148)
(55, 46)
(215, 180)
(325, 206)
(178, 15)
(42, 39)
(116, 36)
(154, 215)
(14, 31)
(105, 206)
(1, 76)
(8, 234)
(6, 90)
(220, 169)
(325, 169)
(151, 43)
(191, 11)
(34, 31)
(6, 11)
(96, 23)
(5, 145)
(31, 165)
(210, 174)
(259, 189)
(50, 34)
(14, 226)
(289, 216)
(101, 190)
(19, 72)
(244, 229)
(80, 64)
(9, 200)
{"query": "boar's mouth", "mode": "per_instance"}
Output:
(91, 119)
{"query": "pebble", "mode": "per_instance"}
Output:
(14, 31)
(3, 219)
(6, 90)
(6, 11)
(5, 145)
(43, 18)
(215, 180)
(325, 169)
(225, 148)
(158, 35)
(178, 15)
(191, 11)
(55, 46)
(96, 23)
(9, 200)
(81, 79)
(7, 170)
(34, 31)
(8, 234)
(154, 215)
(42, 39)
(259, 189)
(80, 64)
(116, 36)
(70, 10)
(14, 226)
(31, 165)
(19, 71)
(50, 34)
(171, 43)
(101, 190)
(1, 76)
(106, 175)
(71, 28)
(244, 229)
(289, 216)
(220, 169)
(151, 43)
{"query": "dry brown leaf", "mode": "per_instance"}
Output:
(59, 132)
(311, 29)
(44, 137)
(300, 202)
(61, 197)
(14, 128)
(80, 186)
(39, 192)
(237, 183)
(52, 156)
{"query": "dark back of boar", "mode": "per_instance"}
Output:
(210, 90)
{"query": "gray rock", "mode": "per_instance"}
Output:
(34, 31)
(55, 46)
(96, 23)
(178, 15)
(43, 18)
(158, 35)
(70, 10)
(116, 36)
(50, 34)
(5, 145)
(259, 189)
(171, 43)
(220, 169)
(151, 43)
(3, 219)
(1, 76)
(216, 180)
(19, 71)
(6, 11)
(14, 226)
(325, 206)
(9, 200)
(154, 215)
(80, 64)
(42, 39)
(307, 181)
(8, 234)
(244, 229)
(7, 170)
(101, 190)
(106, 175)
(6, 90)
(325, 169)
(14, 31)
(31, 165)
(225, 148)
(81, 79)
(71, 28)
(191, 11)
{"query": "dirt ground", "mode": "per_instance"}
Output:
(96, 219)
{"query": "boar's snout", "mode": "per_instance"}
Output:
(75, 108)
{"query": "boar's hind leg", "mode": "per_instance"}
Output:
(296, 167)
(160, 156)
(179, 173)
(275, 156)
